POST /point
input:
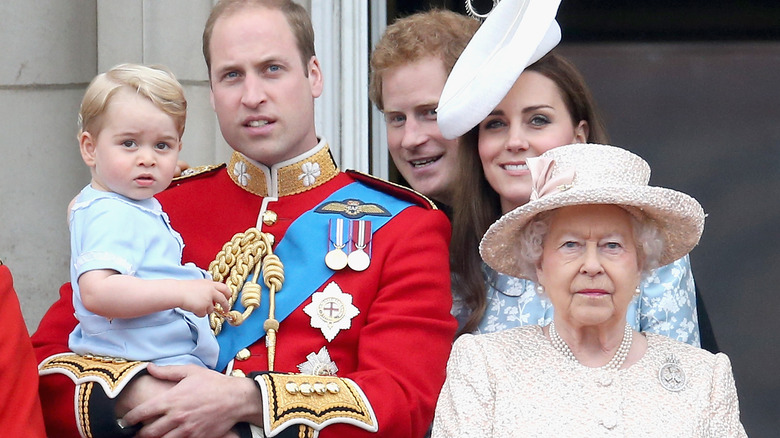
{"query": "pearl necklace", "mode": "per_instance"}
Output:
(617, 360)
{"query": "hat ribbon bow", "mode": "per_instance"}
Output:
(543, 182)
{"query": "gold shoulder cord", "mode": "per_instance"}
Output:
(248, 252)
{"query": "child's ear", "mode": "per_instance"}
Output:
(87, 147)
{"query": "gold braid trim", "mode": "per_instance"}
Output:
(313, 401)
(296, 177)
(111, 373)
(82, 411)
(195, 171)
(248, 252)
(305, 432)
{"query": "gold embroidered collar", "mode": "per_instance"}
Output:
(297, 175)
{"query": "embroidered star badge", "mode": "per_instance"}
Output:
(331, 310)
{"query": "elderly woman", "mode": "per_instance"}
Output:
(593, 227)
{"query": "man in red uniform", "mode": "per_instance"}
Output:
(361, 310)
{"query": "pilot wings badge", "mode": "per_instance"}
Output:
(352, 209)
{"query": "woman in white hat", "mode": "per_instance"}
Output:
(592, 229)
(537, 105)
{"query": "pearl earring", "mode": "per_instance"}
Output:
(539, 289)
(637, 291)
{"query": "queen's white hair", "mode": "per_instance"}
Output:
(647, 236)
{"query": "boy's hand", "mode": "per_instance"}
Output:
(181, 166)
(199, 296)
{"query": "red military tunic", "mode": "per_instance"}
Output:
(395, 348)
(20, 409)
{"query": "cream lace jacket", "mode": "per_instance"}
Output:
(514, 383)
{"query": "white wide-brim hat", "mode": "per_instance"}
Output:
(585, 174)
(516, 34)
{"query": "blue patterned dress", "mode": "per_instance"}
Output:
(666, 305)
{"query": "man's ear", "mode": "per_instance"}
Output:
(87, 146)
(315, 77)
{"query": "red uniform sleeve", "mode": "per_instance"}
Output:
(404, 346)
(70, 410)
(20, 408)
(59, 395)
(57, 390)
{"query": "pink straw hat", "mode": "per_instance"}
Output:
(583, 174)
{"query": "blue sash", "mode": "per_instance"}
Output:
(302, 252)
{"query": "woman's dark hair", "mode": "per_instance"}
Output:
(476, 205)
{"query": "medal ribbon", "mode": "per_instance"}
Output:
(305, 271)
(336, 234)
(361, 235)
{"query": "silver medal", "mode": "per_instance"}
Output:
(358, 259)
(336, 259)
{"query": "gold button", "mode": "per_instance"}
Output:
(319, 388)
(243, 354)
(291, 387)
(271, 238)
(269, 217)
(306, 389)
(237, 373)
(332, 387)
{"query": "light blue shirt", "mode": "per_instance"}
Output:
(110, 231)
(666, 304)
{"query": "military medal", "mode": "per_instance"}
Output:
(336, 258)
(331, 310)
(359, 258)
